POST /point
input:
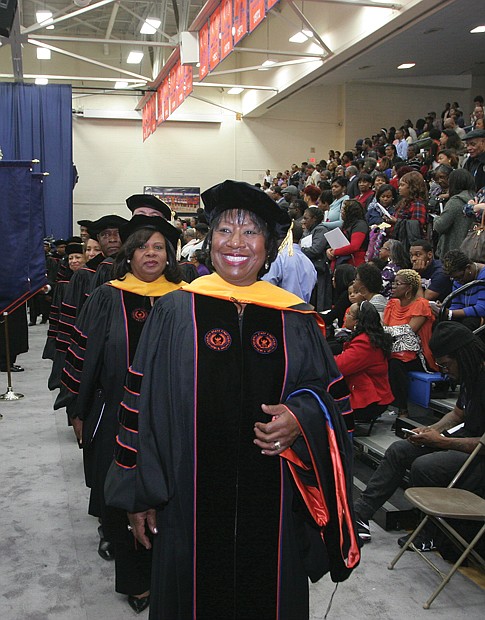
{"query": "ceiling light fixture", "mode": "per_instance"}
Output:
(478, 30)
(265, 66)
(236, 90)
(407, 65)
(307, 33)
(121, 84)
(150, 26)
(299, 37)
(43, 17)
(40, 81)
(43, 53)
(134, 57)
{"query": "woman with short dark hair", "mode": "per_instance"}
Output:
(105, 339)
(227, 385)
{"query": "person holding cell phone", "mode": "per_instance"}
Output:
(430, 453)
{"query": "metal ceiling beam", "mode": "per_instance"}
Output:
(132, 42)
(379, 5)
(31, 76)
(305, 21)
(275, 66)
(16, 48)
(58, 20)
(142, 19)
(88, 60)
(112, 18)
(245, 86)
(277, 52)
(57, 13)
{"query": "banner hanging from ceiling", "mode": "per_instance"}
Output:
(229, 23)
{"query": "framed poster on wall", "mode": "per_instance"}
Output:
(182, 200)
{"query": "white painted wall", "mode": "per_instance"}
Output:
(113, 162)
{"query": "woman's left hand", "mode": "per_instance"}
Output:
(276, 436)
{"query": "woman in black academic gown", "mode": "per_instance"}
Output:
(104, 344)
(237, 455)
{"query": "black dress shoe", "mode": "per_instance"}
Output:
(105, 550)
(13, 368)
(31, 324)
(138, 604)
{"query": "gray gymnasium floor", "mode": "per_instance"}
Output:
(49, 568)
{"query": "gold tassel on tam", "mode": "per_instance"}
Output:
(287, 241)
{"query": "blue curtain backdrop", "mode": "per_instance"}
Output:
(36, 123)
(21, 231)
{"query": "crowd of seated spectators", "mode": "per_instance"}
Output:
(404, 200)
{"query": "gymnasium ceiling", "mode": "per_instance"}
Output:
(353, 40)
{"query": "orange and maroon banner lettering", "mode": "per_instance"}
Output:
(256, 13)
(173, 89)
(204, 51)
(180, 84)
(270, 4)
(165, 99)
(144, 123)
(188, 80)
(149, 117)
(153, 114)
(214, 38)
(240, 19)
(226, 28)
(159, 105)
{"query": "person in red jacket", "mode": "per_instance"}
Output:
(363, 362)
(356, 230)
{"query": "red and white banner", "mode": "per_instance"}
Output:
(188, 80)
(149, 117)
(204, 51)
(240, 16)
(257, 11)
(226, 28)
(215, 38)
(173, 89)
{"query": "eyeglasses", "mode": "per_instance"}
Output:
(396, 283)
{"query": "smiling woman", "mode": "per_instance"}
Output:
(228, 383)
(238, 247)
(104, 344)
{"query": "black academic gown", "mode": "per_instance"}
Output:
(18, 335)
(72, 298)
(104, 272)
(104, 341)
(239, 532)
